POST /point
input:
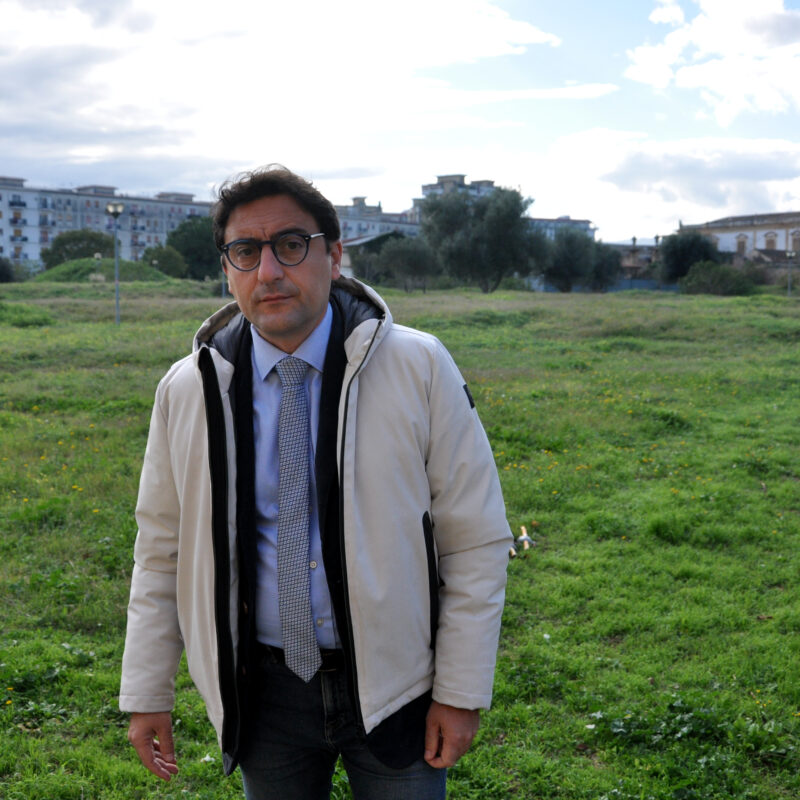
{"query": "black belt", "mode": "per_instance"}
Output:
(331, 659)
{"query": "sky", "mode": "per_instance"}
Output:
(634, 114)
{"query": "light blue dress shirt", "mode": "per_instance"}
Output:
(266, 406)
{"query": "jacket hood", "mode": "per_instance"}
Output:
(357, 302)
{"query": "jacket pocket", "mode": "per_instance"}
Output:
(434, 582)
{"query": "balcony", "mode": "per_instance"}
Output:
(17, 203)
(18, 221)
(19, 238)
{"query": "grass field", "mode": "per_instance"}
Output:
(649, 444)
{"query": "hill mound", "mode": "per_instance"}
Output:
(88, 269)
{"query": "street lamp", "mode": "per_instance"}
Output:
(114, 210)
(790, 256)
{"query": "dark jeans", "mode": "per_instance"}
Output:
(300, 731)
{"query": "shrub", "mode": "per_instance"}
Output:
(708, 277)
(7, 274)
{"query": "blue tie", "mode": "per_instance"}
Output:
(294, 595)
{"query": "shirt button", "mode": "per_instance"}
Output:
(313, 565)
(320, 622)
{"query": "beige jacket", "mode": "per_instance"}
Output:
(410, 448)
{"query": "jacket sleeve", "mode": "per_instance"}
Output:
(472, 538)
(153, 644)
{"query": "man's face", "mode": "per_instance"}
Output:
(284, 303)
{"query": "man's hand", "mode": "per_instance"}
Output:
(449, 732)
(151, 735)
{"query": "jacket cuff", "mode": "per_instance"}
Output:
(146, 704)
(449, 697)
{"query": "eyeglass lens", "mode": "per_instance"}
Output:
(290, 249)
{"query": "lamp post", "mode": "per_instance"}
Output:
(115, 209)
(790, 256)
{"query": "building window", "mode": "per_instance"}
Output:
(771, 241)
(796, 241)
(741, 245)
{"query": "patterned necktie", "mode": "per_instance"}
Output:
(294, 596)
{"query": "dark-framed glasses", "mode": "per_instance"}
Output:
(290, 249)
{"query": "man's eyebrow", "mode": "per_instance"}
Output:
(275, 235)
(291, 229)
(282, 232)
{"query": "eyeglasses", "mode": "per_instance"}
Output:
(289, 250)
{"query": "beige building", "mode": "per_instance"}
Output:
(748, 234)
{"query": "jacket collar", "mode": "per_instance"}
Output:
(357, 303)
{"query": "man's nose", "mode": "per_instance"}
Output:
(269, 269)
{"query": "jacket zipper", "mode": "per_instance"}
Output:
(350, 641)
(218, 475)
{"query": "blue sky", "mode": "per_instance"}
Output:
(634, 115)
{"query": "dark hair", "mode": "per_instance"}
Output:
(270, 181)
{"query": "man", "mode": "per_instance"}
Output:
(320, 526)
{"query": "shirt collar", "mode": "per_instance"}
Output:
(312, 350)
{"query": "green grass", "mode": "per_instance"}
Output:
(647, 442)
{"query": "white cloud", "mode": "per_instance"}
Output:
(667, 12)
(630, 184)
(342, 88)
(273, 78)
(152, 95)
(738, 58)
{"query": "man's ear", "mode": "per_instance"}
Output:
(336, 260)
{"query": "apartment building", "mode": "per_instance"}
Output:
(30, 218)
(361, 221)
(457, 183)
(550, 226)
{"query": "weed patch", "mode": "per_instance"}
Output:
(19, 315)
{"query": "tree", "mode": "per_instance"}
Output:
(70, 245)
(194, 240)
(681, 250)
(479, 239)
(166, 259)
(7, 274)
(571, 260)
(606, 267)
(408, 259)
